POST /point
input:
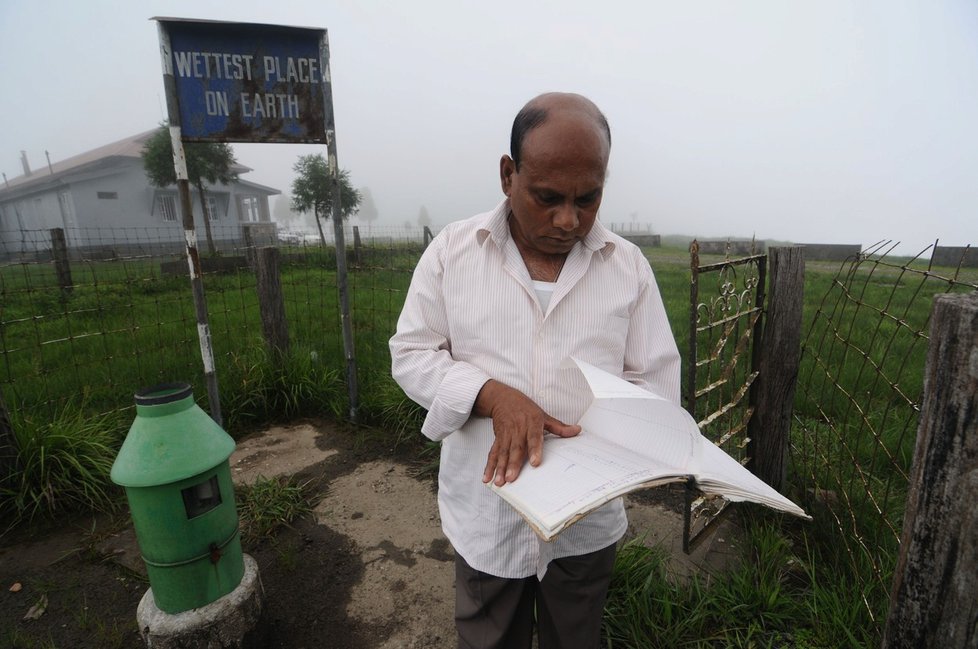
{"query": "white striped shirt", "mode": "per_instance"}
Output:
(472, 314)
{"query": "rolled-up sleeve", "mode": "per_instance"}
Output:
(421, 358)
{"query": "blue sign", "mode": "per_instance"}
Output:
(244, 82)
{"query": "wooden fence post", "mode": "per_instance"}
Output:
(249, 244)
(271, 303)
(428, 236)
(780, 348)
(59, 251)
(357, 246)
(934, 597)
(8, 446)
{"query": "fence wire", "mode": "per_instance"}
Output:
(109, 321)
(858, 402)
(113, 313)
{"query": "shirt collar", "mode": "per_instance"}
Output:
(495, 226)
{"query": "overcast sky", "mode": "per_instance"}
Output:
(823, 121)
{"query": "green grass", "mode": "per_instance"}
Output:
(125, 326)
(62, 465)
(779, 595)
(270, 504)
(258, 387)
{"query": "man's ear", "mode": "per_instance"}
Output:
(506, 170)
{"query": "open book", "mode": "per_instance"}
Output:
(630, 439)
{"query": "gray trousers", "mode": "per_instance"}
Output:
(498, 613)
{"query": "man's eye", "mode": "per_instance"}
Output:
(585, 201)
(548, 199)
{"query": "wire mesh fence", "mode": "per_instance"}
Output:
(857, 404)
(113, 320)
(90, 324)
(86, 323)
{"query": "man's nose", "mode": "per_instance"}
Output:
(566, 217)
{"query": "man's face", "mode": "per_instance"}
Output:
(555, 195)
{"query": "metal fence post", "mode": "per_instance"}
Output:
(934, 598)
(694, 288)
(189, 231)
(773, 391)
(346, 319)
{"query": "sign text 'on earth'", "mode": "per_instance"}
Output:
(223, 65)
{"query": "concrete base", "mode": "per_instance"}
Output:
(230, 622)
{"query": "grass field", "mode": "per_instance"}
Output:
(72, 360)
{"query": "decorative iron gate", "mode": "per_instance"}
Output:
(722, 363)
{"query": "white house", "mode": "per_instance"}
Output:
(103, 200)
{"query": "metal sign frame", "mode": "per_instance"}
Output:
(248, 82)
(216, 74)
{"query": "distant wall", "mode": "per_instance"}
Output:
(645, 240)
(735, 247)
(830, 251)
(954, 255)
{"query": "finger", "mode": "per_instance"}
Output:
(535, 448)
(492, 461)
(502, 458)
(517, 455)
(560, 429)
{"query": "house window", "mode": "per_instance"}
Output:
(108, 195)
(249, 209)
(212, 213)
(167, 207)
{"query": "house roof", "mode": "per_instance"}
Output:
(261, 188)
(130, 147)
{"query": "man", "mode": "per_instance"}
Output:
(497, 303)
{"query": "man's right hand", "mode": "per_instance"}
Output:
(519, 425)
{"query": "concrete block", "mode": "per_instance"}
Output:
(952, 256)
(233, 621)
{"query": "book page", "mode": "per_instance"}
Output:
(718, 473)
(577, 474)
(655, 429)
(630, 438)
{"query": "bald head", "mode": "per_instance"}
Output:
(541, 108)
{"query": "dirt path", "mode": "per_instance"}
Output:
(370, 569)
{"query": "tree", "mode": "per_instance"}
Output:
(210, 161)
(423, 219)
(312, 189)
(368, 209)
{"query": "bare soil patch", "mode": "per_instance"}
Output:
(369, 569)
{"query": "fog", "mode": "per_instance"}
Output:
(821, 121)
